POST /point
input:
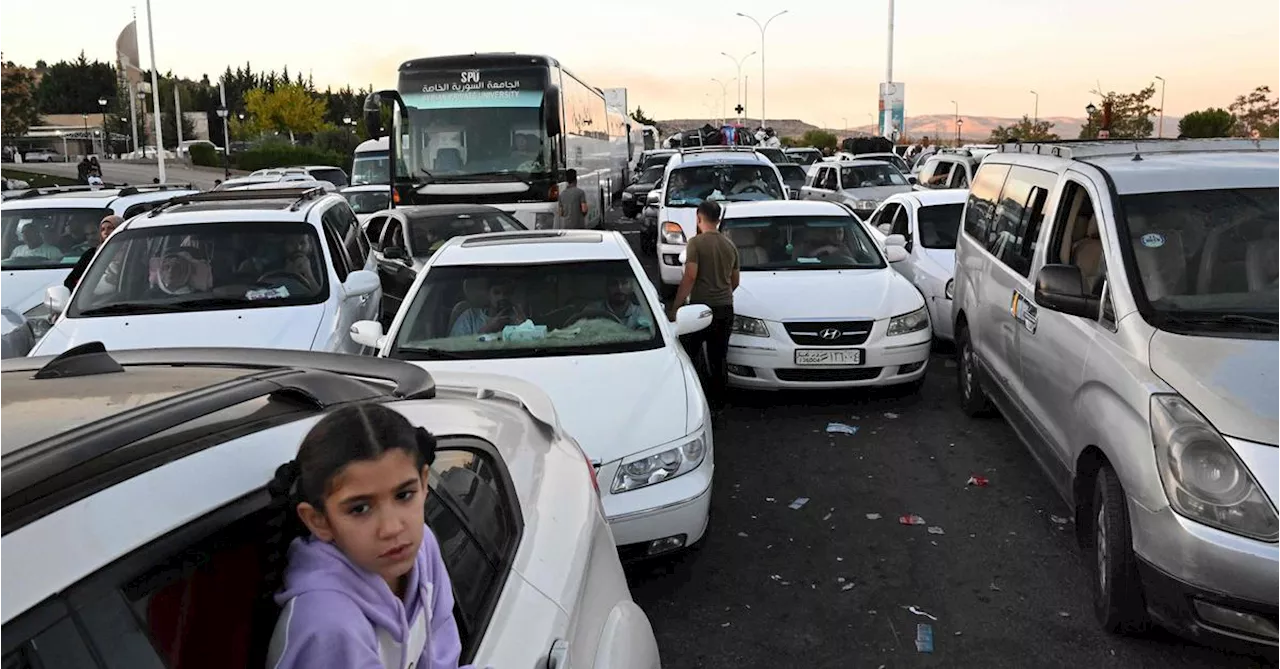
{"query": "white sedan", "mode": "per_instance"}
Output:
(573, 312)
(819, 305)
(926, 223)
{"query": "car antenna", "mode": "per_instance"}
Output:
(1137, 155)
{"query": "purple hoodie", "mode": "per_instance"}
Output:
(336, 614)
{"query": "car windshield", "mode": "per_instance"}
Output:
(659, 160)
(689, 186)
(1207, 254)
(890, 158)
(370, 167)
(775, 155)
(652, 174)
(793, 175)
(333, 175)
(429, 234)
(939, 225)
(521, 311)
(770, 243)
(369, 201)
(203, 267)
(48, 238)
(805, 157)
(870, 176)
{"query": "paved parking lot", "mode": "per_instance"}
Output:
(828, 584)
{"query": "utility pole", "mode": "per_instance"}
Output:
(886, 115)
(738, 63)
(1162, 85)
(133, 113)
(1036, 114)
(155, 96)
(177, 112)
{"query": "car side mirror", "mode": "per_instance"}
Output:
(368, 333)
(56, 299)
(911, 179)
(394, 253)
(361, 282)
(884, 227)
(895, 254)
(895, 240)
(692, 318)
(551, 102)
(1061, 288)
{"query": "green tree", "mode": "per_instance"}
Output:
(1257, 112)
(641, 117)
(74, 87)
(1025, 130)
(18, 100)
(1131, 114)
(1210, 122)
(288, 109)
(819, 139)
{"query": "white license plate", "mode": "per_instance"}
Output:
(829, 356)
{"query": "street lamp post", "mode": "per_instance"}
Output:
(762, 28)
(959, 130)
(738, 63)
(957, 118)
(223, 113)
(85, 118)
(724, 97)
(1036, 114)
(1162, 85)
(102, 104)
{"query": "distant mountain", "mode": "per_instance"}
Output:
(975, 128)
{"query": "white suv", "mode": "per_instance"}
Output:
(135, 496)
(721, 173)
(63, 224)
(274, 268)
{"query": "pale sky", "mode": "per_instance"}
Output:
(824, 64)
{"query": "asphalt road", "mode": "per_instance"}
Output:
(828, 584)
(133, 173)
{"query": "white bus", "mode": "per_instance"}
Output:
(369, 165)
(502, 129)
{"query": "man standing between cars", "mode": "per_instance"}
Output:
(711, 274)
(573, 204)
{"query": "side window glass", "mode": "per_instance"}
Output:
(1004, 233)
(960, 176)
(375, 231)
(362, 241)
(46, 638)
(341, 265)
(393, 237)
(1077, 239)
(941, 173)
(900, 226)
(982, 201)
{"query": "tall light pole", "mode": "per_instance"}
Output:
(1162, 85)
(1036, 114)
(886, 115)
(155, 96)
(957, 106)
(737, 62)
(85, 118)
(724, 97)
(959, 132)
(102, 105)
(762, 29)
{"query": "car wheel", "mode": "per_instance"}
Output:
(1117, 591)
(973, 400)
(629, 211)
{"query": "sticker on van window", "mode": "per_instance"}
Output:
(1153, 240)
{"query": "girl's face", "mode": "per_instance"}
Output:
(374, 512)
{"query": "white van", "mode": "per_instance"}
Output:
(370, 164)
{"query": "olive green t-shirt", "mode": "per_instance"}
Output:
(717, 258)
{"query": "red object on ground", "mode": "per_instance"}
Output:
(980, 481)
(911, 519)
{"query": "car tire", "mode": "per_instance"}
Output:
(1117, 590)
(973, 399)
(629, 211)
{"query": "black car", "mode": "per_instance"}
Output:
(633, 197)
(793, 176)
(405, 237)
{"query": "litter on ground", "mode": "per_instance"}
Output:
(911, 519)
(841, 428)
(873, 516)
(920, 612)
(980, 481)
(827, 517)
(891, 416)
(799, 503)
(743, 535)
(934, 529)
(1059, 520)
(924, 638)
(847, 587)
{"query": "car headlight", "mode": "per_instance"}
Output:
(865, 205)
(672, 233)
(950, 290)
(752, 327)
(39, 320)
(1202, 475)
(640, 471)
(907, 323)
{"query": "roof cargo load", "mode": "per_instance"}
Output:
(862, 145)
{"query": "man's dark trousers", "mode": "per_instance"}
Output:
(716, 337)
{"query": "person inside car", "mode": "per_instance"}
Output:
(364, 579)
(35, 244)
(823, 242)
(618, 306)
(753, 182)
(501, 312)
(105, 228)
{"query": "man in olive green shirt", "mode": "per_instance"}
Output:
(711, 274)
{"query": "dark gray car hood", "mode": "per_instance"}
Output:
(641, 187)
(1232, 382)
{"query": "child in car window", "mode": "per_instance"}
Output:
(366, 586)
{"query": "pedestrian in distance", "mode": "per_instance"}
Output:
(364, 578)
(573, 204)
(711, 274)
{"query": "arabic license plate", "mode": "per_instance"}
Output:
(833, 357)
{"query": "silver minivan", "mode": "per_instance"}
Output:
(859, 184)
(1117, 302)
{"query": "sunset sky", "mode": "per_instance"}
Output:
(823, 66)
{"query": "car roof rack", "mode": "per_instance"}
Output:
(718, 148)
(154, 188)
(49, 474)
(1077, 149)
(298, 195)
(57, 190)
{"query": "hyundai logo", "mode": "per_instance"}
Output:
(830, 334)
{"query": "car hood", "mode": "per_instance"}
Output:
(874, 192)
(1232, 382)
(24, 289)
(687, 217)
(822, 294)
(613, 405)
(271, 327)
(640, 187)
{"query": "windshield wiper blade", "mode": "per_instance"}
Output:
(432, 353)
(1222, 319)
(125, 308)
(206, 302)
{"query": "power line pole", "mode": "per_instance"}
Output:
(155, 96)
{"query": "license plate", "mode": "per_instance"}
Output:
(829, 357)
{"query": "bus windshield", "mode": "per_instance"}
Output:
(474, 123)
(369, 167)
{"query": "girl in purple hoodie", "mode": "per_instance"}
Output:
(365, 588)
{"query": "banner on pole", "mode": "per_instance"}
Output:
(892, 114)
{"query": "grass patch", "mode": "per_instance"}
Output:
(36, 180)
